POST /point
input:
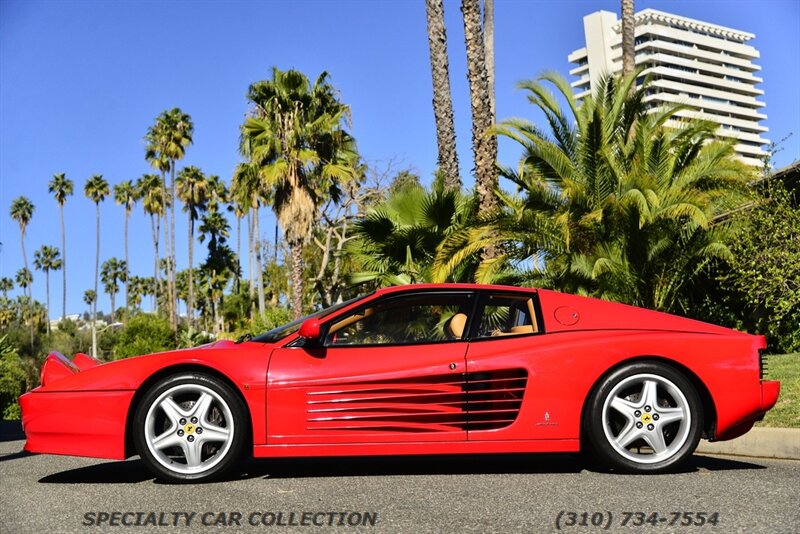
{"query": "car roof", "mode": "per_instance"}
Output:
(434, 287)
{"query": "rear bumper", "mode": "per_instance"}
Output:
(770, 390)
(82, 423)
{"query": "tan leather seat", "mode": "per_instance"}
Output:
(456, 325)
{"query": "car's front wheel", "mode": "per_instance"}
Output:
(644, 418)
(190, 427)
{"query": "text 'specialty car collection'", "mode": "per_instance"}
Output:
(422, 369)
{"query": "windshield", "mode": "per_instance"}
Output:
(280, 332)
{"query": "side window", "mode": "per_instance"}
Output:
(421, 318)
(507, 315)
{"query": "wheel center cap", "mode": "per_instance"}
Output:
(189, 428)
(646, 418)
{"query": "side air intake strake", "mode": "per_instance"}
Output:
(439, 403)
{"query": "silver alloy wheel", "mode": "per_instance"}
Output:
(185, 418)
(646, 411)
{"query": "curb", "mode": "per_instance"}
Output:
(760, 442)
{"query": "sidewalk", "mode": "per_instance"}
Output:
(760, 442)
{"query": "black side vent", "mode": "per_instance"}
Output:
(762, 364)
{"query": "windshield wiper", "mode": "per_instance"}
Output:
(244, 337)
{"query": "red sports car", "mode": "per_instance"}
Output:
(422, 369)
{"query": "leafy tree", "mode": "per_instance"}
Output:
(221, 264)
(47, 259)
(765, 268)
(12, 379)
(61, 187)
(297, 142)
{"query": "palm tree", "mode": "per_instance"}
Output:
(484, 147)
(24, 279)
(22, 211)
(245, 189)
(6, 285)
(442, 98)
(90, 297)
(193, 191)
(167, 141)
(113, 271)
(61, 187)
(96, 189)
(615, 204)
(126, 194)
(151, 192)
(628, 38)
(221, 264)
(47, 259)
(297, 139)
(396, 242)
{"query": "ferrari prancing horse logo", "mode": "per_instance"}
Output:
(189, 428)
(647, 418)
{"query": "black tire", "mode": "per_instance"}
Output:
(645, 417)
(190, 427)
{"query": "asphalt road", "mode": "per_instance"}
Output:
(520, 493)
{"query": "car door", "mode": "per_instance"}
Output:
(390, 370)
(500, 365)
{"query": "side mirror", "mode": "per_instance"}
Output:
(309, 330)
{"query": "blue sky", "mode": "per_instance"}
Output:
(81, 81)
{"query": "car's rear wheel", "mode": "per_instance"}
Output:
(644, 418)
(190, 427)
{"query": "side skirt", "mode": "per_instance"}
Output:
(413, 448)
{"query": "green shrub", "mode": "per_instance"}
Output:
(12, 379)
(144, 334)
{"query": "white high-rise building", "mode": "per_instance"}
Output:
(706, 66)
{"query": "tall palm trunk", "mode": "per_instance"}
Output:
(156, 231)
(296, 252)
(259, 266)
(27, 291)
(484, 147)
(47, 289)
(169, 300)
(488, 48)
(113, 294)
(96, 277)
(173, 260)
(628, 38)
(251, 290)
(442, 99)
(127, 269)
(190, 303)
(63, 266)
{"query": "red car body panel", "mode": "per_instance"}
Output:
(509, 394)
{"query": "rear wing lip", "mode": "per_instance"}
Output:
(58, 367)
